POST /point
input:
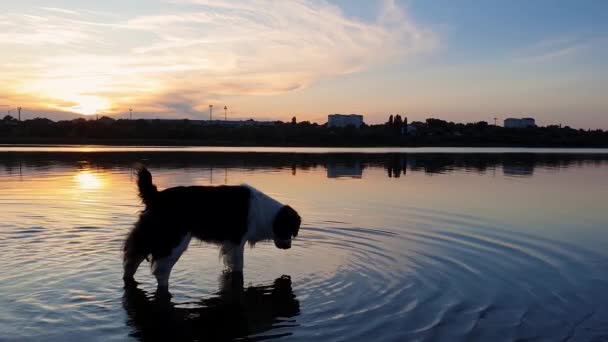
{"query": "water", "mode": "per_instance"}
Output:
(395, 246)
(314, 150)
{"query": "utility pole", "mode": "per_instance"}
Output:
(210, 112)
(225, 113)
(19, 113)
(130, 114)
(495, 122)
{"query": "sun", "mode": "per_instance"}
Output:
(72, 94)
(89, 105)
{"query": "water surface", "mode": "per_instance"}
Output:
(450, 245)
(315, 150)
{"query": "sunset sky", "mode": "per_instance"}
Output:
(456, 60)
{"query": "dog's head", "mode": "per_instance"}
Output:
(285, 227)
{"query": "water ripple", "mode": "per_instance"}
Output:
(459, 283)
(373, 267)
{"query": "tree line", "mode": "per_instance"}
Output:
(396, 131)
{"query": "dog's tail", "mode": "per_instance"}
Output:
(147, 190)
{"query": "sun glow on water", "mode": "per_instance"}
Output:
(88, 181)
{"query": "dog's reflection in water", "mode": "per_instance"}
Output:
(231, 313)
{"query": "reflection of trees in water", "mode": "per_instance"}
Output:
(396, 165)
(336, 165)
(511, 164)
(231, 313)
(517, 169)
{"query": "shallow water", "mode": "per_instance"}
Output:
(395, 247)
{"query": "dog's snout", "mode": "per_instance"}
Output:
(282, 244)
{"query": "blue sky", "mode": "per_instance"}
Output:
(458, 60)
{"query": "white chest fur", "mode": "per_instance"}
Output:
(262, 211)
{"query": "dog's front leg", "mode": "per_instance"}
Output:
(161, 267)
(233, 256)
(130, 265)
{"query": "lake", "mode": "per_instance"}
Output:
(396, 245)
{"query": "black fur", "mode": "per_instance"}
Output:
(286, 223)
(147, 190)
(211, 213)
(216, 214)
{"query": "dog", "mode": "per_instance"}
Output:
(228, 216)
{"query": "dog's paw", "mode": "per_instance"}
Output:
(129, 282)
(162, 293)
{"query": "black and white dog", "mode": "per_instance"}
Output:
(229, 216)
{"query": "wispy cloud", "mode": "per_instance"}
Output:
(554, 49)
(202, 49)
(60, 10)
(39, 30)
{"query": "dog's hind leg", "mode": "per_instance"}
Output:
(161, 268)
(135, 250)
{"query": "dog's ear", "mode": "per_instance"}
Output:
(286, 223)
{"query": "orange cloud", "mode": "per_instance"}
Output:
(197, 51)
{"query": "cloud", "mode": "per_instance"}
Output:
(60, 10)
(202, 50)
(40, 30)
(554, 49)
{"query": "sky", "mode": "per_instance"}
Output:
(461, 61)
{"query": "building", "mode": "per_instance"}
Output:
(344, 120)
(519, 123)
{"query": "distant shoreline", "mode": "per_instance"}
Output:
(50, 142)
(395, 133)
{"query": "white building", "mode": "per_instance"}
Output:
(343, 120)
(519, 123)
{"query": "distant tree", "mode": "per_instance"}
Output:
(397, 125)
(433, 132)
(481, 124)
(397, 121)
(436, 123)
(40, 121)
(106, 120)
(293, 120)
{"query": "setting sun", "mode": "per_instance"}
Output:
(89, 105)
